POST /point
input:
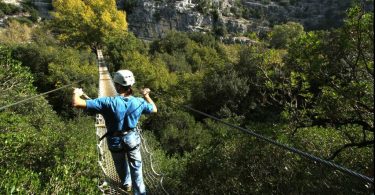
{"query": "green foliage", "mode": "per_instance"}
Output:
(331, 75)
(116, 46)
(283, 35)
(327, 82)
(22, 20)
(148, 73)
(71, 66)
(173, 42)
(39, 152)
(200, 52)
(47, 159)
(219, 28)
(87, 23)
(43, 36)
(232, 52)
(176, 62)
(31, 9)
(237, 160)
(310, 85)
(14, 78)
(203, 39)
(77, 170)
(9, 9)
(55, 67)
(313, 139)
(226, 84)
(182, 134)
(312, 91)
(246, 89)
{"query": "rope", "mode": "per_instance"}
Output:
(144, 146)
(42, 94)
(294, 150)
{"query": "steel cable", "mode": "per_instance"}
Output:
(294, 150)
(42, 94)
(283, 146)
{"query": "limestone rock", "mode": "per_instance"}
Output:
(150, 19)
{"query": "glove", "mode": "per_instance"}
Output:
(78, 91)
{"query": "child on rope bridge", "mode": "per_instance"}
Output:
(121, 114)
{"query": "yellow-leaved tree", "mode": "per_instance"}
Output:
(83, 23)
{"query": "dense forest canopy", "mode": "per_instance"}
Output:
(311, 90)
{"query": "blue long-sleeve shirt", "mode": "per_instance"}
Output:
(120, 113)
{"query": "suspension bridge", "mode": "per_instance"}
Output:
(112, 164)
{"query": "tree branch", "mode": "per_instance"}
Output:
(325, 122)
(358, 145)
(367, 108)
(363, 124)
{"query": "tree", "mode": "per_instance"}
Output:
(116, 46)
(9, 9)
(182, 134)
(87, 23)
(148, 73)
(172, 42)
(199, 52)
(53, 66)
(259, 67)
(283, 35)
(25, 150)
(40, 153)
(14, 79)
(224, 91)
(329, 80)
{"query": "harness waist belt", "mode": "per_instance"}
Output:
(116, 133)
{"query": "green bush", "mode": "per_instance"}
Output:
(9, 9)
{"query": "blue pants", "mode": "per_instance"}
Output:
(133, 164)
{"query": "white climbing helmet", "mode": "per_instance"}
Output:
(124, 78)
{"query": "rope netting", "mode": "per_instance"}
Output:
(153, 179)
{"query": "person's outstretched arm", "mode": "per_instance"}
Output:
(77, 101)
(146, 95)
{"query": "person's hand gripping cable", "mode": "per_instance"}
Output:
(77, 101)
(79, 92)
(145, 91)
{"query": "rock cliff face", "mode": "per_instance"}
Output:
(44, 7)
(14, 2)
(150, 19)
